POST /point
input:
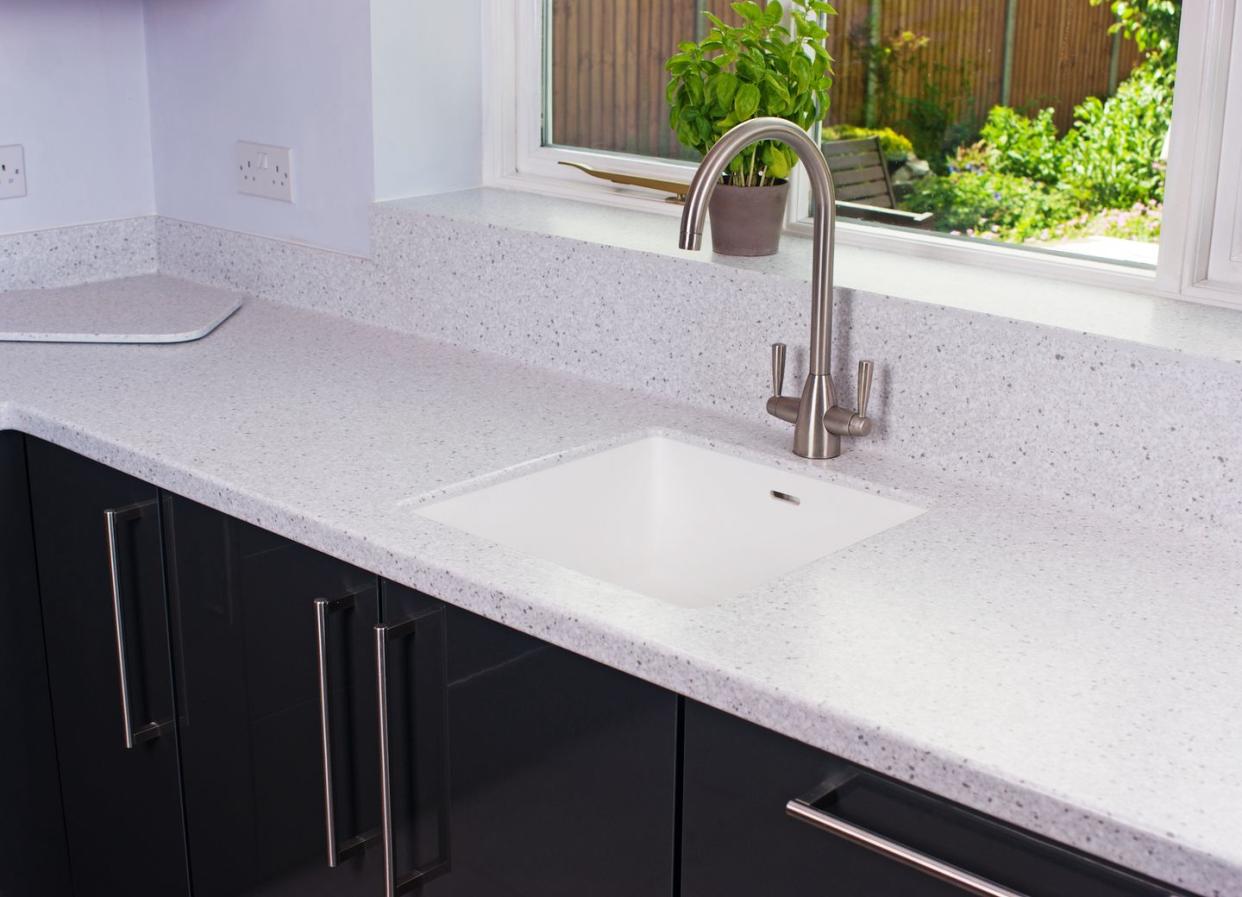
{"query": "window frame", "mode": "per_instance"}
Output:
(1202, 214)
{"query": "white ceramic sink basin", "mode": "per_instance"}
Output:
(671, 520)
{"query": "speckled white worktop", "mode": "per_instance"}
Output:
(1075, 673)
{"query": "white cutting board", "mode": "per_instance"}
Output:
(146, 309)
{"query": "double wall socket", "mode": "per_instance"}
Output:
(12, 171)
(264, 170)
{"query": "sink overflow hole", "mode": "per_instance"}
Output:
(786, 497)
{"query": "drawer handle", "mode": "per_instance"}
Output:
(112, 516)
(803, 810)
(337, 851)
(394, 885)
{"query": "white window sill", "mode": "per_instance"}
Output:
(1136, 317)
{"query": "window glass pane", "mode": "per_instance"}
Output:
(1036, 122)
(606, 76)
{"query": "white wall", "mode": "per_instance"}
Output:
(73, 91)
(427, 83)
(133, 107)
(293, 73)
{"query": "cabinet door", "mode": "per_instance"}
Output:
(97, 539)
(738, 838)
(33, 859)
(561, 771)
(274, 647)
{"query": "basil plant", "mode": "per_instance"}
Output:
(768, 65)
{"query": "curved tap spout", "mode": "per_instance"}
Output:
(818, 422)
(708, 176)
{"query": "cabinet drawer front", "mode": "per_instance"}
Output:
(766, 814)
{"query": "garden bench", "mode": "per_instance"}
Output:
(864, 187)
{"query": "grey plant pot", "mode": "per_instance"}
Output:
(748, 220)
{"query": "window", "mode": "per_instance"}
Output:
(1037, 125)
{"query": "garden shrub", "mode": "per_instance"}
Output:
(931, 118)
(1011, 207)
(1104, 176)
(1027, 147)
(1112, 154)
(970, 157)
(896, 147)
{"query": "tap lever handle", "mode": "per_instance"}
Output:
(866, 369)
(778, 368)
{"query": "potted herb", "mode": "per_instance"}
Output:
(760, 67)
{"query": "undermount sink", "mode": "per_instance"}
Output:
(674, 521)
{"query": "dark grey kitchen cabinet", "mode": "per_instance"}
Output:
(506, 767)
(268, 637)
(738, 838)
(33, 857)
(561, 773)
(101, 580)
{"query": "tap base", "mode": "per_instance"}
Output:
(812, 438)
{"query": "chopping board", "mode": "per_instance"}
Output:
(150, 308)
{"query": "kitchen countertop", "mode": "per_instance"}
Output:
(1075, 673)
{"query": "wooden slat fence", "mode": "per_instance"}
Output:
(607, 66)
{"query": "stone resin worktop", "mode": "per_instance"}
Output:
(1074, 672)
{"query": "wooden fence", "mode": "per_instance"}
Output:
(608, 79)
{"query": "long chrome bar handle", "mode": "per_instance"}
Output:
(337, 851)
(804, 811)
(112, 517)
(393, 885)
(386, 829)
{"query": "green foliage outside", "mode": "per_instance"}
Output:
(929, 116)
(759, 68)
(1023, 181)
(992, 204)
(1152, 24)
(1112, 155)
(1026, 147)
(896, 147)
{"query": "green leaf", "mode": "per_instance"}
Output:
(777, 86)
(724, 86)
(775, 162)
(748, 10)
(800, 68)
(746, 102)
(774, 12)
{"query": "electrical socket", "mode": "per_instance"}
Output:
(12, 171)
(264, 170)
